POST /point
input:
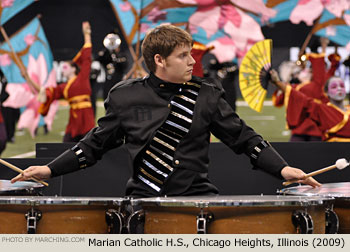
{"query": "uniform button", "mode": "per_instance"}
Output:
(161, 85)
(177, 162)
(169, 105)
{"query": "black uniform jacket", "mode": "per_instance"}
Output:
(136, 108)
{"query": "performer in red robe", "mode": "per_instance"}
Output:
(197, 52)
(331, 118)
(307, 130)
(76, 91)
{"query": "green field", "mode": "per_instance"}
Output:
(270, 123)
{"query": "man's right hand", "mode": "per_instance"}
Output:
(40, 172)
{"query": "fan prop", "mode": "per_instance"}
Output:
(254, 74)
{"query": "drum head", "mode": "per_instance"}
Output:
(18, 188)
(336, 190)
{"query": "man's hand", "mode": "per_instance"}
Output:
(289, 173)
(40, 172)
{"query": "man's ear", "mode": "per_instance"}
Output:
(159, 60)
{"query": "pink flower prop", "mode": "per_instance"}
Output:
(29, 39)
(229, 13)
(346, 18)
(224, 49)
(5, 60)
(156, 15)
(125, 7)
(22, 96)
(348, 47)
(207, 20)
(6, 3)
(144, 27)
(307, 12)
(331, 30)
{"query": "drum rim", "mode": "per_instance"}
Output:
(61, 200)
(232, 201)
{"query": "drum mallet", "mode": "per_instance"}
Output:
(15, 168)
(339, 164)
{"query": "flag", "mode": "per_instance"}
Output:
(222, 24)
(32, 47)
(10, 8)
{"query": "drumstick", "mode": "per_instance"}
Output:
(340, 164)
(15, 168)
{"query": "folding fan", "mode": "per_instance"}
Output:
(254, 73)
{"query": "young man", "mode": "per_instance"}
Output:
(165, 121)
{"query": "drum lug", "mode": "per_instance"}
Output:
(136, 222)
(114, 221)
(203, 219)
(303, 222)
(332, 222)
(32, 216)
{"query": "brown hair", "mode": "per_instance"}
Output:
(163, 40)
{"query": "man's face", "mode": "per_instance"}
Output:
(178, 66)
(336, 89)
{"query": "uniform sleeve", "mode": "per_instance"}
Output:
(299, 107)
(278, 98)
(106, 136)
(84, 60)
(318, 69)
(52, 93)
(233, 131)
(334, 59)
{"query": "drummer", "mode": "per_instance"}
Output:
(165, 121)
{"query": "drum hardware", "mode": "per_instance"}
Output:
(332, 222)
(203, 218)
(302, 221)
(136, 222)
(33, 216)
(339, 198)
(115, 221)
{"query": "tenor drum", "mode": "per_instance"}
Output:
(61, 215)
(339, 191)
(246, 214)
(20, 188)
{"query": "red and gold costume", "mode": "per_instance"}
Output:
(77, 92)
(313, 89)
(197, 52)
(331, 121)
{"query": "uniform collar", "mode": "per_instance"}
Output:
(164, 89)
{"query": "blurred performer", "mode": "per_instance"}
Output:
(311, 83)
(3, 97)
(198, 51)
(227, 74)
(76, 91)
(95, 85)
(331, 118)
(113, 61)
(9, 116)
